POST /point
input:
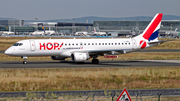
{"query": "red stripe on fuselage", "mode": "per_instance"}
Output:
(153, 26)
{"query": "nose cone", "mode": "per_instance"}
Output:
(8, 51)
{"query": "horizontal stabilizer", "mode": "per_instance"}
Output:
(159, 41)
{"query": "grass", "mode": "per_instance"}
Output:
(88, 79)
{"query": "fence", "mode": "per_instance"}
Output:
(97, 95)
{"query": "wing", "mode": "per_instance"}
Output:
(103, 52)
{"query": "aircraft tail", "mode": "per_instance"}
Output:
(152, 30)
(43, 28)
(94, 29)
(176, 29)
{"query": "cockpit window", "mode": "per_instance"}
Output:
(18, 44)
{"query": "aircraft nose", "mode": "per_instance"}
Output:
(8, 51)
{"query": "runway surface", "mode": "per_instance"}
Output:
(70, 64)
(88, 64)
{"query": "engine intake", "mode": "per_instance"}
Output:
(79, 57)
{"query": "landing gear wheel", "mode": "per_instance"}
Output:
(95, 61)
(24, 62)
(25, 58)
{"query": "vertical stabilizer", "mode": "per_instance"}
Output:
(152, 30)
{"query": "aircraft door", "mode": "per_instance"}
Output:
(32, 45)
(134, 44)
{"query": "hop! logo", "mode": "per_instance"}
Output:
(142, 44)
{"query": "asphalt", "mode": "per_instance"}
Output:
(88, 64)
(70, 64)
(2, 51)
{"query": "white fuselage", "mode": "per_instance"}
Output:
(81, 33)
(7, 33)
(65, 47)
(49, 32)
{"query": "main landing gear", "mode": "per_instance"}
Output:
(24, 57)
(95, 60)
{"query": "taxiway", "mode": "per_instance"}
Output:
(88, 64)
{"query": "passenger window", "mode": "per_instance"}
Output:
(73, 44)
(56, 44)
(76, 44)
(92, 43)
(102, 43)
(84, 43)
(95, 43)
(112, 43)
(122, 43)
(115, 43)
(129, 43)
(69, 44)
(126, 43)
(109, 44)
(118, 43)
(105, 43)
(99, 43)
(88, 43)
(65, 44)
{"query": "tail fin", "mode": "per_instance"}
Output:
(176, 29)
(94, 29)
(43, 28)
(152, 30)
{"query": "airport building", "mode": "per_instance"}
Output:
(134, 25)
(17, 23)
(114, 27)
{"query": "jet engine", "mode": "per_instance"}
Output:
(79, 57)
(58, 58)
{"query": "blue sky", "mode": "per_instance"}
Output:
(65, 9)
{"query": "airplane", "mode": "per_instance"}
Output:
(81, 33)
(44, 32)
(94, 33)
(7, 32)
(173, 33)
(80, 50)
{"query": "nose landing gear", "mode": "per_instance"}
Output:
(24, 57)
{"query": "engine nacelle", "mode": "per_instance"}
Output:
(79, 57)
(58, 58)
